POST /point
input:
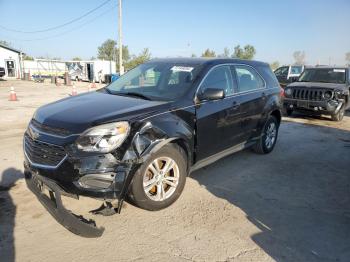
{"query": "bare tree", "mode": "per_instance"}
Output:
(274, 65)
(299, 57)
(347, 57)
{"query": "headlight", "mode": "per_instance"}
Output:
(288, 91)
(103, 138)
(328, 95)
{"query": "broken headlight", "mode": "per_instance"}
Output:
(288, 91)
(103, 138)
(328, 95)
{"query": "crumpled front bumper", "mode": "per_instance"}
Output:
(324, 107)
(53, 204)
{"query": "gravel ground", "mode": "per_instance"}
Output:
(290, 205)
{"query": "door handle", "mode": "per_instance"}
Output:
(235, 105)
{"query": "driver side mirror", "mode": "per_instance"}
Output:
(211, 94)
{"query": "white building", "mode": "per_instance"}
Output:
(10, 59)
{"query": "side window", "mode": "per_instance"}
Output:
(248, 79)
(278, 71)
(220, 78)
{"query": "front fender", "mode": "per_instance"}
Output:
(153, 134)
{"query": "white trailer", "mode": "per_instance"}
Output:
(90, 70)
(94, 70)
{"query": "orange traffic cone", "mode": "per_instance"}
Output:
(74, 90)
(13, 96)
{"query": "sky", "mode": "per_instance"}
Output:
(171, 28)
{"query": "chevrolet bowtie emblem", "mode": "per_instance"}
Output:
(32, 133)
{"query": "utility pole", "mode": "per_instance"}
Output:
(121, 68)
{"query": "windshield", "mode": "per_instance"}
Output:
(156, 81)
(323, 75)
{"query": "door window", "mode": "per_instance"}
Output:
(219, 78)
(282, 71)
(248, 79)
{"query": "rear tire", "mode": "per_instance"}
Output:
(155, 188)
(340, 115)
(288, 111)
(268, 138)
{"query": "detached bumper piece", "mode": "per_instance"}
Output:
(53, 204)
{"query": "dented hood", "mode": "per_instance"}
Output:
(78, 113)
(318, 85)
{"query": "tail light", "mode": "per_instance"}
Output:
(282, 92)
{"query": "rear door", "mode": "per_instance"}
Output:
(282, 75)
(252, 98)
(218, 121)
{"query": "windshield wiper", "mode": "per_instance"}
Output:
(133, 94)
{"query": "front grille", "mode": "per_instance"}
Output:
(308, 94)
(43, 153)
(49, 129)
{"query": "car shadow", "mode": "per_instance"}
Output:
(8, 180)
(297, 197)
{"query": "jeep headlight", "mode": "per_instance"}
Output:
(288, 91)
(103, 138)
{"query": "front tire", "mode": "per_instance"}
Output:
(340, 115)
(268, 138)
(288, 111)
(160, 180)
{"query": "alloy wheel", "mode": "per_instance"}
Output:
(161, 179)
(271, 132)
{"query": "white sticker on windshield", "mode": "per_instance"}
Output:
(339, 70)
(181, 69)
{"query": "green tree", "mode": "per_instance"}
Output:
(5, 43)
(247, 52)
(108, 51)
(193, 55)
(299, 57)
(274, 65)
(209, 53)
(28, 57)
(77, 58)
(143, 57)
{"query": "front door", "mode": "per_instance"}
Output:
(218, 121)
(10, 68)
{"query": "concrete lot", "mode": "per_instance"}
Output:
(290, 205)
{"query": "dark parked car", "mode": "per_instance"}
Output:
(143, 134)
(288, 74)
(2, 71)
(319, 90)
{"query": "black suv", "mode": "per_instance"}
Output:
(2, 71)
(319, 90)
(143, 134)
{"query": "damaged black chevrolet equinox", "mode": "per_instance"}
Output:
(140, 136)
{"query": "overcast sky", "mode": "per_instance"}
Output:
(179, 28)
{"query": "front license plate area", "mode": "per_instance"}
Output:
(43, 188)
(303, 104)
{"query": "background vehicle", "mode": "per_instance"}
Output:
(319, 90)
(147, 131)
(288, 74)
(2, 71)
(94, 70)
